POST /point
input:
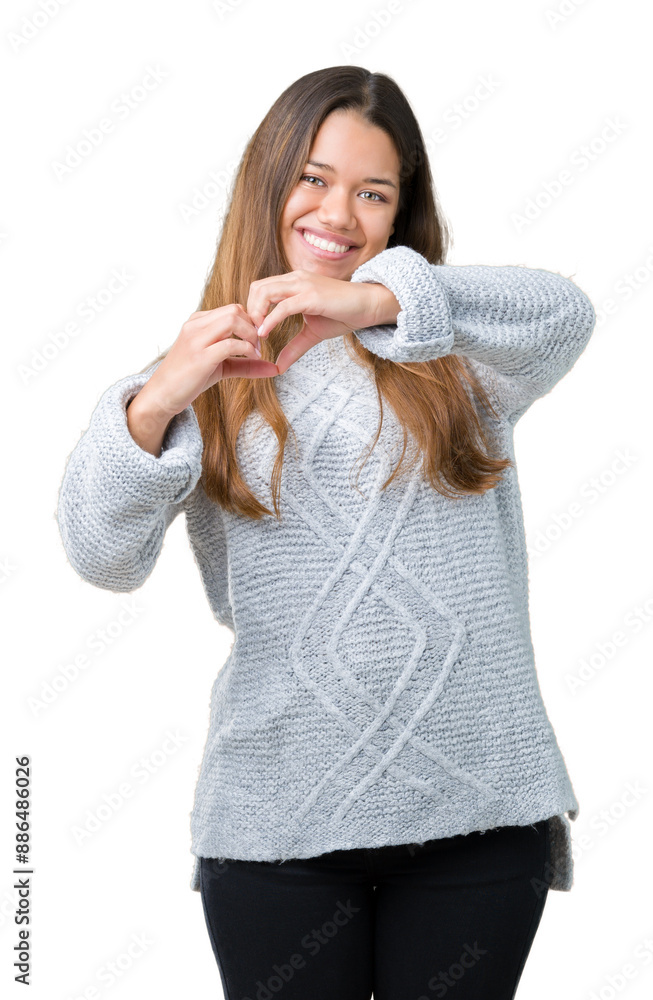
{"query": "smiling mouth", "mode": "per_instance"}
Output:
(330, 246)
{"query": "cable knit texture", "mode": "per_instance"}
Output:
(381, 685)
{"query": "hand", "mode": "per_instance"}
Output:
(331, 307)
(213, 344)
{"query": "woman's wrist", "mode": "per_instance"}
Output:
(388, 307)
(147, 422)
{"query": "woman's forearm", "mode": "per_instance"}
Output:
(147, 422)
(389, 307)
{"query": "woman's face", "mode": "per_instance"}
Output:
(348, 195)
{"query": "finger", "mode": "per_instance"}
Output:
(266, 291)
(238, 359)
(222, 350)
(205, 317)
(243, 326)
(296, 348)
(217, 323)
(247, 368)
(294, 305)
(277, 289)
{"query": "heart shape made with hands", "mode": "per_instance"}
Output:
(330, 307)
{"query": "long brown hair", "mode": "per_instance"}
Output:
(433, 400)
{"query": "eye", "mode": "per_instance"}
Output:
(306, 177)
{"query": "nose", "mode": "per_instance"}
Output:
(335, 211)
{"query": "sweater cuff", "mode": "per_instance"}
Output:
(129, 469)
(424, 329)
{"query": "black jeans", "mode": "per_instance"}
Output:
(454, 917)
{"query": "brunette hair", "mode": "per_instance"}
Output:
(433, 400)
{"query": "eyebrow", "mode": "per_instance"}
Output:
(366, 180)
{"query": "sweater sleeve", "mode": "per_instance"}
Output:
(522, 328)
(116, 500)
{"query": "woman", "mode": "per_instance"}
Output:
(382, 804)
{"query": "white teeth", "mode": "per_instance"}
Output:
(324, 244)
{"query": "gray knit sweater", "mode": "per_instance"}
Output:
(381, 686)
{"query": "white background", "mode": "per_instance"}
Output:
(557, 81)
